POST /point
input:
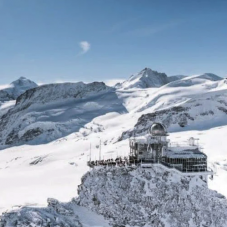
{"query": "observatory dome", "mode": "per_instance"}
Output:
(157, 129)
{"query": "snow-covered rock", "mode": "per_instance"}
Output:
(55, 215)
(151, 197)
(128, 196)
(16, 88)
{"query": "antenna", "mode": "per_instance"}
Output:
(90, 151)
(100, 150)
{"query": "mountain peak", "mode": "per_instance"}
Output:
(145, 79)
(22, 78)
(148, 70)
(17, 88)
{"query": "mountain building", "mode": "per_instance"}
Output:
(156, 148)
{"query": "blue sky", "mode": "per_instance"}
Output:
(70, 40)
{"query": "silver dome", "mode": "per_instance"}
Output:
(158, 129)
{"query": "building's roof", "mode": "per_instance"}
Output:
(147, 139)
(184, 152)
(157, 129)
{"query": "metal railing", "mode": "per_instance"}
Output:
(132, 161)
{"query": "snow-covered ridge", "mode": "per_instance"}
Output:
(193, 80)
(148, 78)
(52, 111)
(57, 92)
(176, 77)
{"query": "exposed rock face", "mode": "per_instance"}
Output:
(16, 88)
(151, 197)
(52, 111)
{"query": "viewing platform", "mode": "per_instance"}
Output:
(153, 149)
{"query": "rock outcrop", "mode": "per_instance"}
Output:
(151, 197)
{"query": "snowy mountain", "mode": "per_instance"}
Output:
(48, 134)
(52, 111)
(16, 88)
(145, 79)
(190, 103)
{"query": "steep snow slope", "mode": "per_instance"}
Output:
(52, 111)
(16, 88)
(208, 76)
(145, 79)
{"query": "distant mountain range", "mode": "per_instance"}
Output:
(45, 113)
(148, 78)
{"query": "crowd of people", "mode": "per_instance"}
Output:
(111, 162)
